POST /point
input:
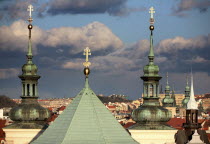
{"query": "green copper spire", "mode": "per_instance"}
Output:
(150, 115)
(151, 69)
(151, 51)
(167, 89)
(187, 94)
(167, 101)
(29, 54)
(85, 121)
(29, 114)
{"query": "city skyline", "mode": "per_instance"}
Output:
(117, 32)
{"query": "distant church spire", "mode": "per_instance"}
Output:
(192, 111)
(187, 94)
(167, 100)
(192, 104)
(167, 89)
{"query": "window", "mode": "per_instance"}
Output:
(34, 89)
(151, 90)
(23, 89)
(28, 89)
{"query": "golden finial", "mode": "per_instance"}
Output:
(87, 53)
(30, 26)
(152, 11)
(86, 63)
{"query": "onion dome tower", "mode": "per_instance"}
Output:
(85, 121)
(187, 95)
(29, 114)
(150, 115)
(167, 101)
(192, 111)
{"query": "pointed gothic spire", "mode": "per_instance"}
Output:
(192, 104)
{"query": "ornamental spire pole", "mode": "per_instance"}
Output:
(30, 26)
(167, 78)
(151, 51)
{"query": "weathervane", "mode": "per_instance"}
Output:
(152, 11)
(87, 53)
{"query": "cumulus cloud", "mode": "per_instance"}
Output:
(187, 5)
(112, 7)
(180, 43)
(62, 47)
(9, 73)
(15, 36)
(129, 58)
(175, 54)
(95, 35)
(182, 53)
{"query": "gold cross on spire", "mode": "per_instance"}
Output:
(87, 53)
(152, 11)
(30, 9)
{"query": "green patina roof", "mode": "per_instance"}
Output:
(168, 101)
(85, 121)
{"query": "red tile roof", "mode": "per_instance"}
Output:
(2, 133)
(52, 118)
(127, 125)
(178, 122)
(111, 106)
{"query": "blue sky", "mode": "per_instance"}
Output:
(117, 33)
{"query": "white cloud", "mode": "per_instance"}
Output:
(15, 36)
(95, 35)
(73, 65)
